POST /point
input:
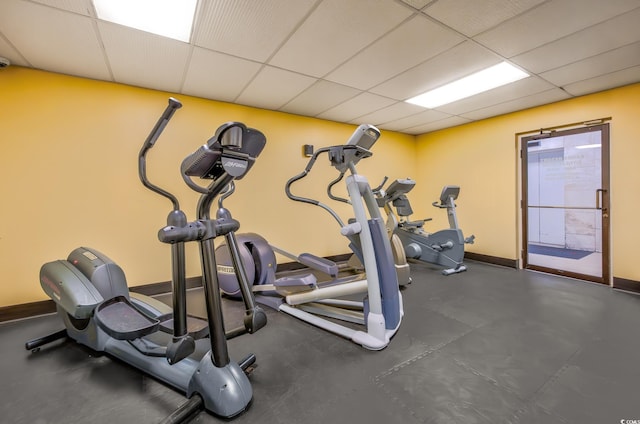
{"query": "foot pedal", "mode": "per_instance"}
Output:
(197, 328)
(122, 321)
(290, 285)
(319, 263)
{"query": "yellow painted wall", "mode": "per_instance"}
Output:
(482, 158)
(69, 177)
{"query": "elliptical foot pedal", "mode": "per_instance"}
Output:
(319, 263)
(291, 285)
(122, 321)
(197, 328)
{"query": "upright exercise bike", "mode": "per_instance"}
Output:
(445, 247)
(93, 300)
(373, 301)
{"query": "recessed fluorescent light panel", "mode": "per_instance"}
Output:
(485, 80)
(169, 18)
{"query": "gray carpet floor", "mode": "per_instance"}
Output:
(491, 345)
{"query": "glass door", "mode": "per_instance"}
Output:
(566, 202)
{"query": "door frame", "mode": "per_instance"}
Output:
(583, 127)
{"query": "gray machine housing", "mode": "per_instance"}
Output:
(85, 280)
(188, 353)
(444, 247)
(381, 302)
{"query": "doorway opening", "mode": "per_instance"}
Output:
(565, 202)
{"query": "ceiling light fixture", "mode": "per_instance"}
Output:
(169, 18)
(485, 80)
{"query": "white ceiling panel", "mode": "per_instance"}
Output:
(83, 7)
(251, 29)
(545, 97)
(320, 97)
(53, 40)
(604, 82)
(217, 76)
(392, 54)
(149, 60)
(389, 114)
(548, 22)
(613, 33)
(335, 31)
(460, 61)
(349, 61)
(417, 119)
(357, 106)
(437, 125)
(272, 88)
(417, 4)
(605, 63)
(10, 53)
(470, 17)
(523, 88)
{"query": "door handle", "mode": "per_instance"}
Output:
(599, 193)
(600, 201)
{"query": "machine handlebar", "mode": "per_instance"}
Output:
(174, 104)
(340, 161)
(342, 157)
(171, 108)
(378, 189)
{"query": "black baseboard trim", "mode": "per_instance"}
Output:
(495, 260)
(627, 285)
(164, 287)
(26, 310)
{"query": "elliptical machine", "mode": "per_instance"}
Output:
(93, 300)
(444, 247)
(380, 308)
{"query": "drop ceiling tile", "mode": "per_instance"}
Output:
(53, 40)
(460, 61)
(548, 22)
(357, 106)
(605, 82)
(83, 7)
(404, 47)
(335, 31)
(437, 125)
(608, 35)
(524, 87)
(252, 29)
(418, 119)
(7, 51)
(273, 87)
(148, 60)
(545, 97)
(217, 76)
(321, 96)
(471, 17)
(605, 63)
(417, 4)
(389, 114)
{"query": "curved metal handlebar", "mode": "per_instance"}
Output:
(330, 187)
(173, 105)
(440, 205)
(192, 185)
(377, 189)
(228, 191)
(287, 189)
(306, 171)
